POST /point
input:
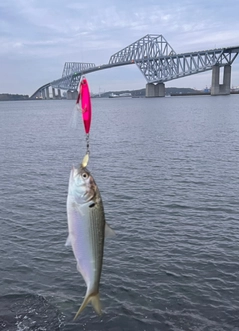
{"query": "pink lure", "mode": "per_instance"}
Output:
(84, 97)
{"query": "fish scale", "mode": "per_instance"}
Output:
(97, 237)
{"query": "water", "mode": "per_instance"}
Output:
(168, 173)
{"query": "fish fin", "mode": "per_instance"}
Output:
(109, 233)
(94, 299)
(81, 271)
(79, 207)
(68, 241)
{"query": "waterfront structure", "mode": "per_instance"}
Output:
(158, 62)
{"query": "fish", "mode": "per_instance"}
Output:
(87, 230)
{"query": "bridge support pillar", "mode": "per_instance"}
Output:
(153, 90)
(53, 93)
(226, 80)
(59, 94)
(221, 89)
(43, 94)
(159, 90)
(150, 90)
(72, 95)
(75, 95)
(47, 93)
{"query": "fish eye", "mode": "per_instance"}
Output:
(85, 175)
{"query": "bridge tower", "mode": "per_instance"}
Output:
(144, 53)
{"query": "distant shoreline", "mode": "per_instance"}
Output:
(13, 97)
(174, 92)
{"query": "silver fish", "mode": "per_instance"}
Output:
(87, 230)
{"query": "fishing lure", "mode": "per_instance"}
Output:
(85, 101)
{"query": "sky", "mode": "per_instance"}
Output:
(38, 37)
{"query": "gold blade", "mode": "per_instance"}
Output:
(85, 160)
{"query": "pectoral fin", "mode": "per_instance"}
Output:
(68, 241)
(109, 233)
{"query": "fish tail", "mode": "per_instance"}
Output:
(95, 301)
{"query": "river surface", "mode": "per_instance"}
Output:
(168, 172)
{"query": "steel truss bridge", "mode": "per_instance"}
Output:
(157, 61)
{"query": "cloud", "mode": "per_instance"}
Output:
(50, 33)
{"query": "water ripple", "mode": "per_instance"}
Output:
(169, 182)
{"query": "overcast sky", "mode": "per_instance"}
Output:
(38, 37)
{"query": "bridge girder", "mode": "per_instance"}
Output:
(69, 82)
(73, 67)
(70, 75)
(166, 68)
(152, 46)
